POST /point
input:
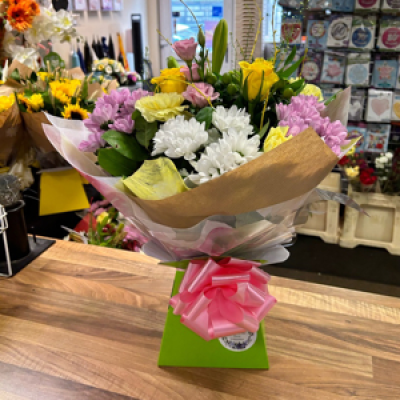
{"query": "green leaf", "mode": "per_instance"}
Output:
(290, 57)
(127, 145)
(264, 130)
(205, 115)
(297, 85)
(85, 89)
(136, 114)
(145, 131)
(115, 163)
(246, 88)
(15, 75)
(329, 101)
(289, 71)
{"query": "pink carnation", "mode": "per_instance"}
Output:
(197, 99)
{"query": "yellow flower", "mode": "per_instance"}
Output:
(32, 103)
(276, 137)
(43, 75)
(1, 82)
(67, 86)
(74, 111)
(6, 102)
(352, 172)
(254, 72)
(100, 218)
(171, 80)
(161, 106)
(100, 67)
(101, 78)
(313, 90)
(61, 96)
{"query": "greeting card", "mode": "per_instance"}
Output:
(343, 5)
(333, 68)
(396, 107)
(118, 5)
(357, 104)
(357, 72)
(317, 34)
(319, 4)
(385, 74)
(370, 5)
(290, 3)
(94, 5)
(291, 31)
(80, 5)
(398, 75)
(390, 5)
(379, 108)
(360, 131)
(339, 31)
(107, 5)
(312, 67)
(389, 35)
(377, 138)
(363, 32)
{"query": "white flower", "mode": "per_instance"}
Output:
(64, 19)
(179, 138)
(213, 136)
(26, 56)
(224, 119)
(117, 68)
(230, 152)
(8, 41)
(108, 70)
(389, 155)
(384, 160)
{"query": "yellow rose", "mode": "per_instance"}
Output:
(276, 137)
(161, 106)
(254, 72)
(312, 90)
(352, 172)
(171, 80)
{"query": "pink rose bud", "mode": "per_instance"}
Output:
(196, 98)
(195, 73)
(185, 49)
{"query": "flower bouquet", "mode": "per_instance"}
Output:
(215, 170)
(107, 70)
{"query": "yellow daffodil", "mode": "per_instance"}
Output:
(276, 137)
(6, 102)
(75, 112)
(161, 106)
(254, 73)
(352, 172)
(171, 80)
(33, 103)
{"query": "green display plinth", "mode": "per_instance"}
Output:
(181, 347)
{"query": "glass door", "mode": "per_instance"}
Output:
(177, 23)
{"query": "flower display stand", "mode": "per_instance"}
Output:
(380, 228)
(324, 219)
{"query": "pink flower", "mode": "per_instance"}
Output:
(197, 99)
(124, 124)
(185, 49)
(195, 73)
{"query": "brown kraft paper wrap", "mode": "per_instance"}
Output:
(10, 133)
(33, 125)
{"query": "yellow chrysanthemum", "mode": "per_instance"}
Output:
(276, 137)
(75, 112)
(100, 67)
(171, 80)
(33, 103)
(161, 106)
(257, 71)
(6, 102)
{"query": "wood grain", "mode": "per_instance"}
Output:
(83, 322)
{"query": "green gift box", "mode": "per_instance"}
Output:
(181, 347)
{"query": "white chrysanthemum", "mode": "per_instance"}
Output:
(213, 136)
(179, 138)
(226, 118)
(109, 70)
(230, 152)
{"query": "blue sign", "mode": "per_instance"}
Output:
(218, 11)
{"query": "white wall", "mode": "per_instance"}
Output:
(104, 23)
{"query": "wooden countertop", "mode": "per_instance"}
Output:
(83, 322)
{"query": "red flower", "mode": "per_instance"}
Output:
(344, 161)
(379, 146)
(367, 177)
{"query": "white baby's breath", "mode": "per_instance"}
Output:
(179, 138)
(230, 152)
(231, 118)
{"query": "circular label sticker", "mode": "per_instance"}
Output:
(339, 30)
(368, 3)
(361, 37)
(310, 70)
(239, 342)
(393, 3)
(317, 29)
(358, 74)
(391, 38)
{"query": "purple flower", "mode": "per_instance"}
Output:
(93, 142)
(129, 106)
(100, 116)
(125, 124)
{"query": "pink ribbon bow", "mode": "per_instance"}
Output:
(223, 298)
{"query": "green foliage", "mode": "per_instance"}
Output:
(126, 145)
(172, 63)
(219, 45)
(115, 163)
(205, 115)
(145, 131)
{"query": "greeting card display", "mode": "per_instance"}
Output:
(390, 5)
(291, 31)
(377, 138)
(379, 108)
(363, 32)
(398, 76)
(94, 5)
(312, 67)
(343, 5)
(357, 73)
(328, 91)
(396, 107)
(107, 5)
(357, 104)
(385, 74)
(333, 68)
(389, 35)
(360, 131)
(80, 5)
(370, 5)
(319, 4)
(339, 31)
(394, 137)
(290, 3)
(317, 34)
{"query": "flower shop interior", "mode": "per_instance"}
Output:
(211, 146)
